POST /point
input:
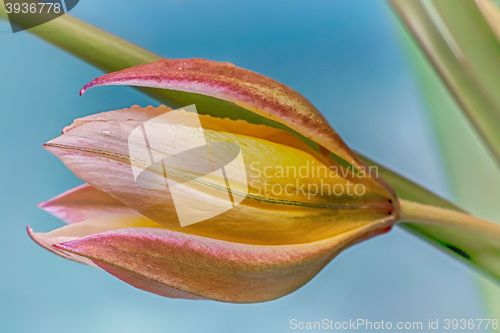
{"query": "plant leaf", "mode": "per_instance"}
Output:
(460, 146)
(464, 50)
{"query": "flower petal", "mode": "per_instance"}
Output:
(96, 149)
(47, 242)
(175, 264)
(250, 90)
(83, 203)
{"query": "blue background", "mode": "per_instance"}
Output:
(345, 56)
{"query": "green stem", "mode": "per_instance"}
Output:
(426, 214)
(91, 44)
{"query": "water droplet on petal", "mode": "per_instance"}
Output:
(107, 132)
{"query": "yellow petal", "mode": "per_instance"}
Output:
(281, 206)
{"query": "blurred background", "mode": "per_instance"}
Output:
(347, 57)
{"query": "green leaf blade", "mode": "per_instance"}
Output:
(465, 52)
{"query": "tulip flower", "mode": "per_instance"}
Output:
(272, 241)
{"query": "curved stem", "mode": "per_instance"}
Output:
(427, 214)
